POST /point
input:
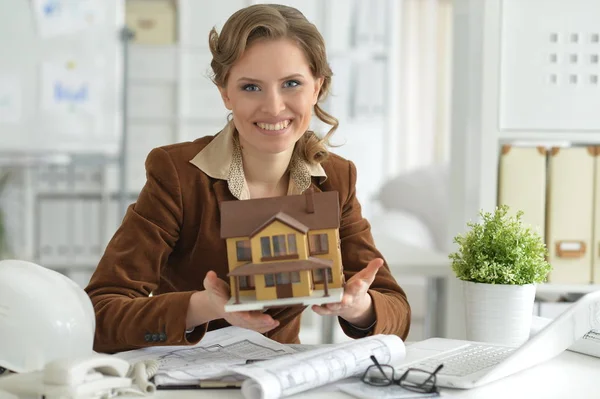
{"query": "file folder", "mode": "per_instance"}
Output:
(570, 214)
(596, 249)
(522, 184)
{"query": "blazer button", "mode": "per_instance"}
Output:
(155, 337)
(162, 337)
(148, 337)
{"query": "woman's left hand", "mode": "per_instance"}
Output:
(356, 306)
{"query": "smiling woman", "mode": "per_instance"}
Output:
(270, 66)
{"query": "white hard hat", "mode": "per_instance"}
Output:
(43, 316)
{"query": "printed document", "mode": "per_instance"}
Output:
(589, 344)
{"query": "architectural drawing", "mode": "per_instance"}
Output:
(212, 357)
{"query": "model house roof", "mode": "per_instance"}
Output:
(308, 211)
(285, 219)
(250, 269)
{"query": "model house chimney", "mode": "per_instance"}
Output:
(309, 194)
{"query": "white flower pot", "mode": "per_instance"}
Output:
(498, 313)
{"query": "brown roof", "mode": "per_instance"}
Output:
(242, 218)
(285, 219)
(251, 269)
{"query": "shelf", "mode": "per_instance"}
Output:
(552, 288)
(550, 138)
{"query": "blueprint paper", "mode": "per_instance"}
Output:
(288, 375)
(214, 356)
(589, 344)
(288, 369)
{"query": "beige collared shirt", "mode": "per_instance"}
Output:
(222, 159)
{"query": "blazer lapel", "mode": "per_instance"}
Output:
(222, 193)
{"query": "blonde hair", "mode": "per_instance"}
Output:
(274, 21)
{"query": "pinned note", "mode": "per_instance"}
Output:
(10, 99)
(63, 17)
(69, 88)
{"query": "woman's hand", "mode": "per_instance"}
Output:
(211, 304)
(356, 306)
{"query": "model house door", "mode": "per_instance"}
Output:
(284, 285)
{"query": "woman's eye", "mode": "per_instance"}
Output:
(250, 87)
(291, 83)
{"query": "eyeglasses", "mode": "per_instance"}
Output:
(415, 380)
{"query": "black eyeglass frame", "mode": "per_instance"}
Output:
(423, 387)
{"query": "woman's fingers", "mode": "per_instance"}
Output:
(253, 320)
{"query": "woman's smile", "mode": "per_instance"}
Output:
(274, 129)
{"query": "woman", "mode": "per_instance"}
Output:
(163, 278)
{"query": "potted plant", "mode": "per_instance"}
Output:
(500, 260)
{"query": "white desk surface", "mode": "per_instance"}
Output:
(406, 259)
(570, 375)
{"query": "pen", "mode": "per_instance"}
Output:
(204, 384)
(250, 361)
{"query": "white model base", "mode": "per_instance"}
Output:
(317, 298)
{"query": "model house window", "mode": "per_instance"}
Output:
(318, 244)
(291, 241)
(295, 277)
(269, 280)
(246, 282)
(281, 245)
(265, 247)
(287, 277)
(283, 278)
(243, 250)
(318, 276)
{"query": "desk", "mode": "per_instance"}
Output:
(408, 260)
(570, 375)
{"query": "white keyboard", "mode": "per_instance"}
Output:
(465, 361)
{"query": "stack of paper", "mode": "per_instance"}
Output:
(287, 371)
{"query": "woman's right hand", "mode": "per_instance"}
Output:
(211, 302)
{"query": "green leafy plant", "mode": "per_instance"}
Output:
(500, 250)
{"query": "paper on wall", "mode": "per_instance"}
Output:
(63, 17)
(10, 100)
(69, 89)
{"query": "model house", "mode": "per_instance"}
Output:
(283, 250)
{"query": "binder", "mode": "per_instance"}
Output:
(570, 214)
(522, 184)
(596, 249)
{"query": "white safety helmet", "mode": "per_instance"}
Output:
(44, 316)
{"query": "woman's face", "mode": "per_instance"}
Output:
(271, 92)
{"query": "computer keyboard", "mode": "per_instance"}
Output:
(466, 360)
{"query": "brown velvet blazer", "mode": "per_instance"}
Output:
(170, 238)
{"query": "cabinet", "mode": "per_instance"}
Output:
(56, 144)
(521, 75)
